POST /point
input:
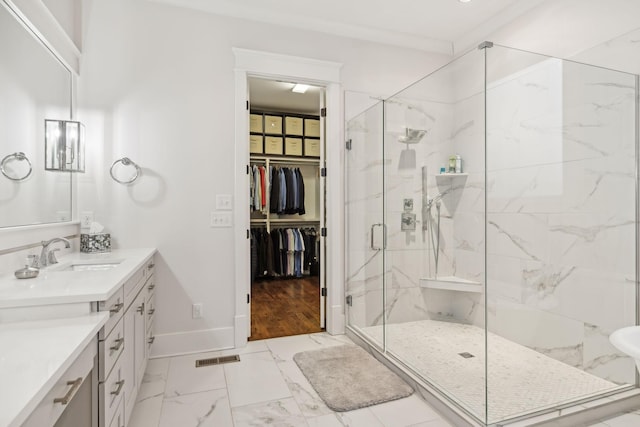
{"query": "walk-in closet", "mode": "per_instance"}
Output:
(286, 206)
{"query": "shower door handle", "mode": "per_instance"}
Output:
(384, 236)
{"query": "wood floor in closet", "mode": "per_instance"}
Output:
(284, 307)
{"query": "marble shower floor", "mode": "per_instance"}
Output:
(266, 388)
(520, 379)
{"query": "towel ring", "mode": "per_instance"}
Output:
(17, 156)
(126, 162)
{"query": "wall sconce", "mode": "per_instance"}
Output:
(64, 146)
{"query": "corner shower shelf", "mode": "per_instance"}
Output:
(451, 283)
(452, 174)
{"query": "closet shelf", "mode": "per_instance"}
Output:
(284, 160)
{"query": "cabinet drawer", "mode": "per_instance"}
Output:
(110, 349)
(111, 391)
(151, 283)
(118, 417)
(150, 337)
(51, 407)
(133, 281)
(115, 306)
(151, 308)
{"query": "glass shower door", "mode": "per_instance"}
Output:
(366, 233)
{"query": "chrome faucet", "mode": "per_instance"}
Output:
(49, 257)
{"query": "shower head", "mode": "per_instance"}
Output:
(412, 136)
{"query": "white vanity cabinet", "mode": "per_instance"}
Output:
(70, 400)
(124, 349)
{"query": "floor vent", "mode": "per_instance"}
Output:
(217, 360)
(466, 355)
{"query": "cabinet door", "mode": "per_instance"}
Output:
(140, 329)
(128, 360)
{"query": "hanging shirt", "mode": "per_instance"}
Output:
(282, 200)
(263, 189)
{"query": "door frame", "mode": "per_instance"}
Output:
(251, 63)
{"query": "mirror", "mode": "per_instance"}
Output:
(34, 86)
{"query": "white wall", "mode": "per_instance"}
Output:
(157, 86)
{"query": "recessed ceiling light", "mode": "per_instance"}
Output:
(464, 1)
(299, 88)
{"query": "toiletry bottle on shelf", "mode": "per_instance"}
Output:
(458, 163)
(443, 170)
(452, 164)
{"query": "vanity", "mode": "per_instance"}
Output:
(77, 340)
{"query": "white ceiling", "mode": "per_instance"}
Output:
(272, 95)
(431, 25)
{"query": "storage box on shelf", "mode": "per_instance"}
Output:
(299, 137)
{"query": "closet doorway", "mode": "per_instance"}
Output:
(287, 208)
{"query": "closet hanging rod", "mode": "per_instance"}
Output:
(284, 160)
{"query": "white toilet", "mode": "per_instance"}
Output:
(627, 340)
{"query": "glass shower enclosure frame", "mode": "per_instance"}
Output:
(491, 231)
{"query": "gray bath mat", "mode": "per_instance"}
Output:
(346, 377)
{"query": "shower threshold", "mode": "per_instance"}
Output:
(451, 283)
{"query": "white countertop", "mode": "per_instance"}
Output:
(62, 287)
(33, 358)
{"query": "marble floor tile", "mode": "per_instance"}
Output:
(184, 378)
(308, 400)
(359, 418)
(281, 413)
(206, 409)
(404, 412)
(154, 381)
(329, 420)
(256, 378)
(147, 412)
(433, 423)
(285, 348)
(627, 420)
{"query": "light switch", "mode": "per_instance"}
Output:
(223, 202)
(221, 219)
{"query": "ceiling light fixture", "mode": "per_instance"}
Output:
(299, 88)
(464, 1)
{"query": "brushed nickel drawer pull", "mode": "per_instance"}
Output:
(140, 309)
(151, 286)
(150, 266)
(119, 389)
(151, 340)
(153, 310)
(67, 397)
(116, 308)
(119, 343)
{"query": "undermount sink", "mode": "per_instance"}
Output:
(93, 265)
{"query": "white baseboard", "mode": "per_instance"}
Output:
(192, 342)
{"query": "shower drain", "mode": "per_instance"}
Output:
(466, 355)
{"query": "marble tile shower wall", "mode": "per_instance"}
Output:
(561, 212)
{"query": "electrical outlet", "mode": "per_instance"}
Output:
(196, 311)
(221, 219)
(86, 218)
(223, 202)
